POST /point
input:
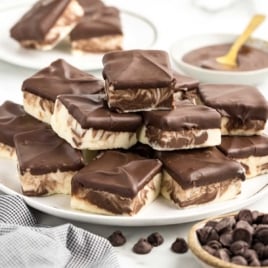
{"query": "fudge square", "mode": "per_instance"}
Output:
(116, 183)
(47, 23)
(185, 127)
(13, 120)
(41, 90)
(101, 32)
(46, 163)
(199, 176)
(138, 80)
(243, 108)
(250, 151)
(86, 123)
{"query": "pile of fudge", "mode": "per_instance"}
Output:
(115, 144)
(88, 25)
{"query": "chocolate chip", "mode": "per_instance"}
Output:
(142, 246)
(179, 246)
(223, 254)
(207, 234)
(265, 219)
(239, 260)
(261, 233)
(243, 231)
(259, 248)
(264, 262)
(209, 249)
(244, 215)
(239, 247)
(155, 239)
(214, 244)
(225, 224)
(211, 223)
(117, 239)
(250, 255)
(255, 215)
(226, 239)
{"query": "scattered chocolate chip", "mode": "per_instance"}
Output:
(179, 246)
(117, 239)
(223, 254)
(239, 260)
(239, 247)
(142, 246)
(243, 231)
(155, 239)
(207, 234)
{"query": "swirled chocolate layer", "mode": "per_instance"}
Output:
(136, 69)
(105, 21)
(92, 112)
(61, 78)
(36, 23)
(13, 120)
(198, 167)
(239, 101)
(115, 172)
(42, 151)
(244, 146)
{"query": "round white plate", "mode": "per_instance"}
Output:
(12, 52)
(187, 44)
(160, 212)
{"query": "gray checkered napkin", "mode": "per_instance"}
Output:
(23, 244)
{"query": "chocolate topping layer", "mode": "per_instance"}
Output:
(36, 23)
(13, 120)
(105, 21)
(91, 6)
(184, 116)
(42, 151)
(115, 172)
(92, 112)
(198, 167)
(61, 78)
(238, 101)
(244, 146)
(135, 69)
(183, 82)
(249, 58)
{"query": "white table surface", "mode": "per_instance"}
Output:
(173, 19)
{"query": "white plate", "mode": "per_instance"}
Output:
(181, 47)
(160, 212)
(10, 50)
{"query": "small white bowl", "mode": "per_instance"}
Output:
(183, 46)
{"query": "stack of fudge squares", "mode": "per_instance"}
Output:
(116, 144)
(88, 25)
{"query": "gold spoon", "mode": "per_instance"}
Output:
(231, 57)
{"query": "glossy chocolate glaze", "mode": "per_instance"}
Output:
(91, 6)
(105, 21)
(135, 69)
(183, 82)
(42, 151)
(13, 120)
(61, 78)
(244, 146)
(239, 101)
(249, 58)
(36, 23)
(92, 112)
(115, 172)
(184, 116)
(198, 167)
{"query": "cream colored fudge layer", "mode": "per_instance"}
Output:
(257, 128)
(62, 27)
(195, 196)
(38, 107)
(46, 184)
(7, 151)
(122, 205)
(67, 127)
(97, 44)
(254, 165)
(186, 139)
(129, 100)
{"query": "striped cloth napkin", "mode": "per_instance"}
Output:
(25, 244)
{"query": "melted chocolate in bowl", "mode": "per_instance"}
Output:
(249, 58)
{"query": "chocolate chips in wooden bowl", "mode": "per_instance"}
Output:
(232, 241)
